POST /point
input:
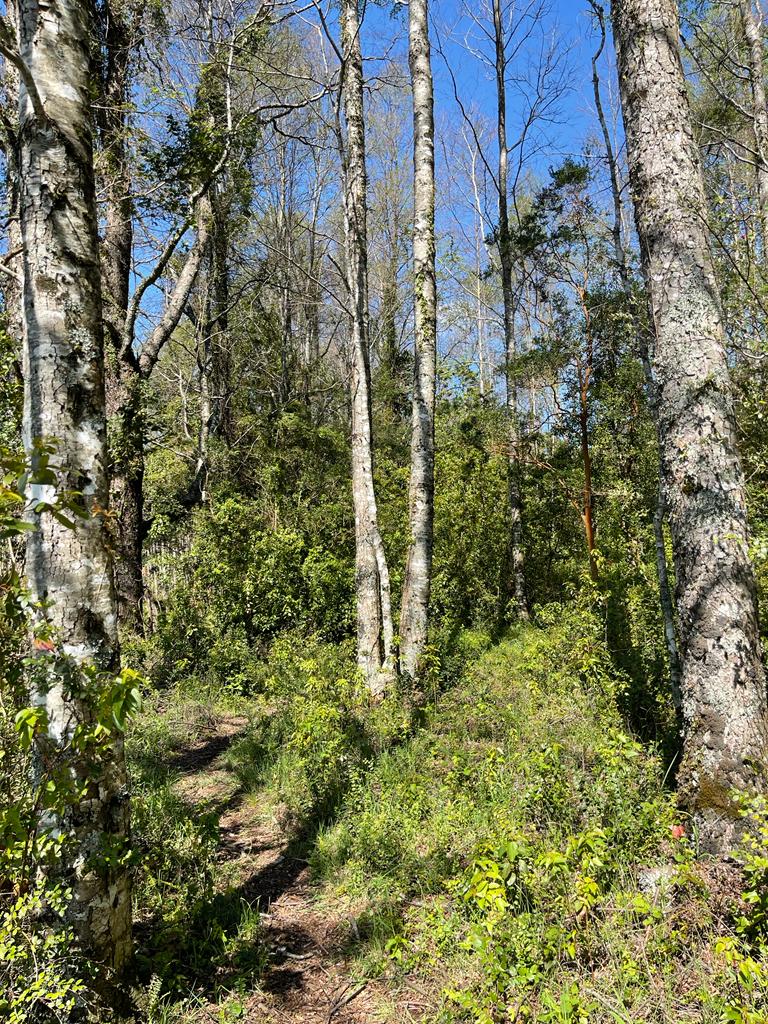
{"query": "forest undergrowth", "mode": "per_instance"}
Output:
(495, 848)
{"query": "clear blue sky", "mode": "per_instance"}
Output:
(567, 23)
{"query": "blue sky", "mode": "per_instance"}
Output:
(567, 21)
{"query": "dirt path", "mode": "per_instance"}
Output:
(308, 978)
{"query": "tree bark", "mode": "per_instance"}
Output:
(212, 330)
(414, 619)
(754, 36)
(70, 569)
(723, 681)
(516, 556)
(375, 633)
(11, 282)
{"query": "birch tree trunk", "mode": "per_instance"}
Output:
(723, 681)
(753, 32)
(516, 557)
(64, 398)
(375, 633)
(414, 618)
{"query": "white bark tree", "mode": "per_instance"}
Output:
(723, 681)
(375, 632)
(69, 571)
(414, 619)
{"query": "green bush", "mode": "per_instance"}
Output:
(42, 966)
(524, 760)
(238, 588)
(310, 739)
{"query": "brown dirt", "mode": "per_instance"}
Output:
(309, 978)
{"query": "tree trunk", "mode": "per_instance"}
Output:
(723, 681)
(375, 633)
(70, 569)
(754, 36)
(619, 252)
(516, 557)
(125, 427)
(414, 619)
(588, 510)
(221, 425)
(11, 282)
(125, 371)
(214, 356)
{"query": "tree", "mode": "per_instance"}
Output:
(375, 633)
(123, 380)
(414, 619)
(127, 368)
(752, 25)
(517, 560)
(69, 571)
(723, 681)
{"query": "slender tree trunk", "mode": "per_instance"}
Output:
(480, 314)
(216, 364)
(516, 557)
(11, 282)
(199, 489)
(375, 633)
(723, 681)
(64, 398)
(125, 427)
(285, 229)
(620, 256)
(619, 253)
(312, 302)
(588, 510)
(222, 423)
(753, 31)
(414, 618)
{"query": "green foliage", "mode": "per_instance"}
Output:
(46, 778)
(42, 966)
(525, 756)
(313, 732)
(239, 588)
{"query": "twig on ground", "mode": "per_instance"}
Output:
(345, 1001)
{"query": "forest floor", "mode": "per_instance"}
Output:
(309, 975)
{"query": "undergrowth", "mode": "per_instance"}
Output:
(505, 845)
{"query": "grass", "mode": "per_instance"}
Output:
(508, 849)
